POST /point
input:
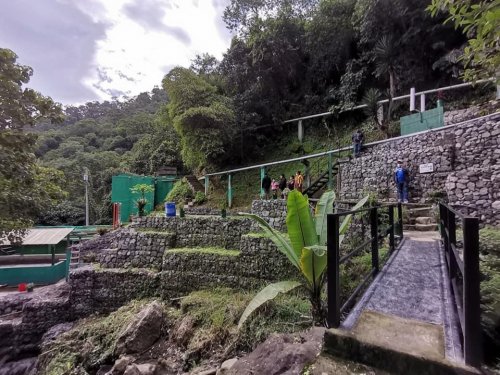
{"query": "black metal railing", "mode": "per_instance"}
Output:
(395, 232)
(463, 271)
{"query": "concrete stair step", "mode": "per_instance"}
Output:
(327, 364)
(426, 227)
(424, 220)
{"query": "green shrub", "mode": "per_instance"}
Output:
(199, 198)
(489, 246)
(180, 192)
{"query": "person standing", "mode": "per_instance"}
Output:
(299, 181)
(282, 185)
(274, 188)
(401, 180)
(291, 183)
(266, 186)
(357, 142)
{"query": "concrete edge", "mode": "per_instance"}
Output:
(343, 344)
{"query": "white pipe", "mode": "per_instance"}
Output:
(422, 102)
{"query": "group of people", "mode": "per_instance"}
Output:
(282, 187)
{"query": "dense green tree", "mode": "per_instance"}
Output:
(25, 187)
(480, 20)
(203, 119)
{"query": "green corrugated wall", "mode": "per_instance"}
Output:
(431, 119)
(120, 192)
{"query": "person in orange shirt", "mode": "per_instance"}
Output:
(299, 181)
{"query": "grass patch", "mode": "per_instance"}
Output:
(153, 231)
(219, 311)
(204, 250)
(256, 235)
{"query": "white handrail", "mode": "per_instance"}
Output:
(394, 99)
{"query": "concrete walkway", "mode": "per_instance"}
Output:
(407, 307)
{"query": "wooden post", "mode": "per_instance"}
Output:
(333, 270)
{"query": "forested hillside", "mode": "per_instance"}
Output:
(287, 58)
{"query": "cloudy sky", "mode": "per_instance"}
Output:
(98, 49)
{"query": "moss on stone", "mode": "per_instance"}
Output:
(154, 231)
(204, 250)
(256, 235)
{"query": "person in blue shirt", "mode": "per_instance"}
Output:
(401, 178)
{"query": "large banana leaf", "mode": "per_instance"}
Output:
(279, 240)
(313, 264)
(347, 220)
(267, 294)
(323, 208)
(299, 222)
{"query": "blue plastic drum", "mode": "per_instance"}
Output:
(170, 209)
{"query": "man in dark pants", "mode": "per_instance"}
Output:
(357, 142)
(401, 180)
(266, 185)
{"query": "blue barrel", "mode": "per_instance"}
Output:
(170, 209)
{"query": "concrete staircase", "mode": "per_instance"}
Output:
(421, 219)
(322, 181)
(194, 184)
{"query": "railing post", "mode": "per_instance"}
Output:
(471, 290)
(391, 228)
(400, 220)
(330, 172)
(207, 181)
(229, 191)
(374, 236)
(333, 270)
(452, 242)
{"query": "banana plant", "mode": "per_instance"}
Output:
(305, 248)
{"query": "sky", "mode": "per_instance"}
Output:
(99, 49)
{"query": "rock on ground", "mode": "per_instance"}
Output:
(25, 366)
(282, 354)
(143, 331)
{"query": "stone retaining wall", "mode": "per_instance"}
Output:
(273, 211)
(200, 231)
(466, 159)
(104, 291)
(137, 249)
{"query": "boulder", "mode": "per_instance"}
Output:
(55, 331)
(144, 369)
(142, 332)
(121, 365)
(183, 331)
(281, 354)
(226, 366)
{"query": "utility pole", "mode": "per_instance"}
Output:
(86, 181)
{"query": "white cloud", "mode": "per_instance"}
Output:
(134, 57)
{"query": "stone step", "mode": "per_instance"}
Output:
(327, 364)
(426, 227)
(424, 220)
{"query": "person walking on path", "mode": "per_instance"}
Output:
(357, 142)
(266, 186)
(299, 181)
(274, 188)
(291, 183)
(401, 180)
(282, 185)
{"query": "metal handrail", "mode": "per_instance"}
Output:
(335, 309)
(346, 148)
(452, 87)
(466, 271)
